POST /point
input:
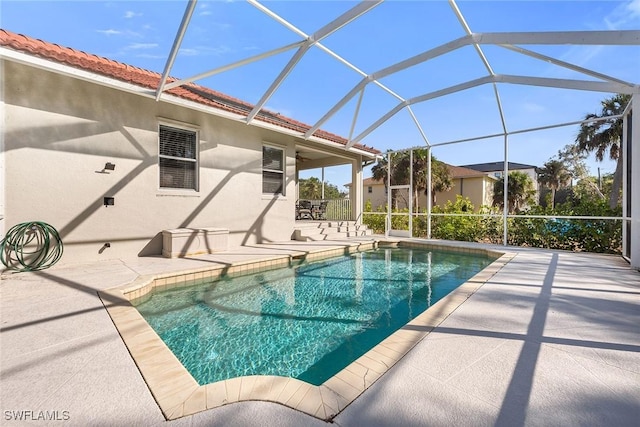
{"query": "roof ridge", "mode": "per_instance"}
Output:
(150, 79)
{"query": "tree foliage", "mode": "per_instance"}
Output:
(604, 137)
(311, 189)
(440, 175)
(520, 192)
(554, 175)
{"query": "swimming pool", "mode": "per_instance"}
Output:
(307, 322)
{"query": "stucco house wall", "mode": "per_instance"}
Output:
(479, 189)
(374, 193)
(59, 131)
(67, 113)
(474, 188)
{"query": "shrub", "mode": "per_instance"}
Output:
(602, 236)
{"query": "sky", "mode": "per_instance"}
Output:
(141, 33)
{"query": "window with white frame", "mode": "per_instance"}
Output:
(272, 170)
(178, 159)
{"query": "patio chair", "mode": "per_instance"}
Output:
(320, 211)
(303, 210)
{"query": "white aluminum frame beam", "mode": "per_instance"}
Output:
(564, 64)
(233, 65)
(186, 18)
(534, 129)
(484, 59)
(344, 19)
(626, 37)
(374, 77)
(600, 38)
(608, 87)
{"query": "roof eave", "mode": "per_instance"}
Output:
(113, 83)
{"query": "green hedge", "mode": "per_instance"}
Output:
(602, 236)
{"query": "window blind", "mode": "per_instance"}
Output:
(177, 158)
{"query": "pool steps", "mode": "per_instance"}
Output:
(307, 231)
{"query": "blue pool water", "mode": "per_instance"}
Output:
(307, 322)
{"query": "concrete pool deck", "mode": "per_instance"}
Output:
(553, 338)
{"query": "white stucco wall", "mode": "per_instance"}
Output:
(59, 131)
(477, 189)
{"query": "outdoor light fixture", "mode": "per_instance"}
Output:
(109, 201)
(107, 167)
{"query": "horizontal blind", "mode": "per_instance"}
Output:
(178, 165)
(177, 143)
(177, 174)
(271, 182)
(272, 158)
(272, 170)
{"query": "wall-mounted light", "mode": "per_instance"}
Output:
(107, 167)
(109, 201)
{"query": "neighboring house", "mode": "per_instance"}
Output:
(477, 186)
(190, 159)
(496, 169)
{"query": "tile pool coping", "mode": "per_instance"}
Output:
(178, 394)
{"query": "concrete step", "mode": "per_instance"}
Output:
(324, 224)
(327, 230)
(335, 230)
(333, 236)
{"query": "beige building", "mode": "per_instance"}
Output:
(477, 186)
(89, 150)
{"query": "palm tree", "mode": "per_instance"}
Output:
(440, 179)
(310, 188)
(554, 175)
(440, 174)
(606, 135)
(520, 191)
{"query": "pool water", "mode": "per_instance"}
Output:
(307, 322)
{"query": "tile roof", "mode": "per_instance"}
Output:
(149, 79)
(498, 166)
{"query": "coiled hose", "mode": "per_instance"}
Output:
(31, 246)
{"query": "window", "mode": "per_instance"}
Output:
(178, 158)
(272, 170)
(498, 174)
(370, 189)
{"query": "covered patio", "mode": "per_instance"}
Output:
(550, 339)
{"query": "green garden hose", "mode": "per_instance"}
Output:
(31, 246)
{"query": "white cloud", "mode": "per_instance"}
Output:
(113, 32)
(130, 14)
(142, 46)
(189, 52)
(205, 50)
(150, 56)
(109, 32)
(624, 16)
(204, 10)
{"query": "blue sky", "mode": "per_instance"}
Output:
(141, 33)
